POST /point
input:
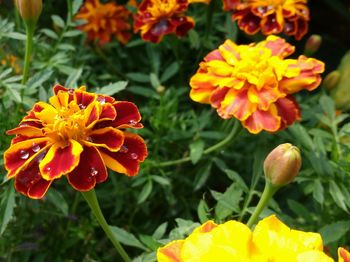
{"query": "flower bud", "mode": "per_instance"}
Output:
(312, 44)
(282, 164)
(331, 80)
(30, 10)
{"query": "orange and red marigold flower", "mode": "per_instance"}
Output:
(254, 83)
(77, 135)
(103, 21)
(270, 16)
(156, 18)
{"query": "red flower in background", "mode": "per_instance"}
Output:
(254, 83)
(156, 18)
(270, 16)
(103, 21)
(77, 135)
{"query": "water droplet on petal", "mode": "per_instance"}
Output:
(261, 9)
(89, 139)
(124, 149)
(89, 178)
(134, 156)
(23, 154)
(24, 124)
(101, 99)
(93, 171)
(81, 106)
(47, 169)
(70, 91)
(35, 148)
(132, 122)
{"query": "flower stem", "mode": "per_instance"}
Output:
(232, 135)
(28, 54)
(70, 10)
(210, 14)
(269, 191)
(91, 199)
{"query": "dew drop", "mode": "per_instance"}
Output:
(89, 178)
(70, 91)
(24, 124)
(132, 122)
(102, 100)
(269, 7)
(47, 169)
(89, 139)
(81, 106)
(261, 9)
(93, 171)
(23, 154)
(134, 156)
(35, 148)
(124, 149)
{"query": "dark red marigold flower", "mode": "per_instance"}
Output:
(270, 17)
(78, 135)
(156, 18)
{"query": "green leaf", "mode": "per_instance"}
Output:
(337, 195)
(234, 176)
(202, 176)
(318, 192)
(194, 39)
(138, 77)
(58, 201)
(170, 72)
(160, 231)
(196, 150)
(73, 77)
(301, 135)
(72, 33)
(6, 208)
(76, 6)
(58, 21)
(15, 95)
(150, 242)
(49, 33)
(333, 232)
(127, 238)
(232, 29)
(154, 80)
(17, 36)
(145, 192)
(203, 211)
(38, 79)
(42, 94)
(161, 180)
(114, 88)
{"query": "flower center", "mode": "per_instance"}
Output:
(162, 8)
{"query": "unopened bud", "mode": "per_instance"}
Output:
(29, 10)
(312, 45)
(282, 165)
(331, 80)
(160, 89)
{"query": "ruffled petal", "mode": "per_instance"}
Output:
(22, 153)
(108, 137)
(128, 158)
(289, 111)
(278, 46)
(89, 172)
(26, 130)
(128, 116)
(263, 120)
(30, 183)
(171, 252)
(343, 255)
(60, 159)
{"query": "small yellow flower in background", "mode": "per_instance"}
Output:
(157, 18)
(78, 135)
(199, 1)
(270, 16)
(12, 61)
(271, 240)
(103, 21)
(254, 83)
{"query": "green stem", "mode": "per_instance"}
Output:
(29, 48)
(210, 14)
(269, 191)
(91, 199)
(232, 135)
(70, 10)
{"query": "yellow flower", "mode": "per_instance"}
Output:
(12, 61)
(271, 241)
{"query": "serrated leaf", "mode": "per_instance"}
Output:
(196, 150)
(337, 195)
(72, 33)
(154, 80)
(145, 192)
(335, 231)
(38, 79)
(161, 180)
(127, 238)
(114, 88)
(160, 231)
(318, 192)
(6, 208)
(17, 36)
(49, 33)
(150, 242)
(169, 72)
(15, 95)
(58, 21)
(234, 176)
(228, 202)
(203, 211)
(202, 176)
(76, 6)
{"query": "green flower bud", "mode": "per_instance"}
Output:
(331, 80)
(282, 164)
(312, 44)
(29, 10)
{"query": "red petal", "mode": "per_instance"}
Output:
(91, 170)
(127, 160)
(288, 110)
(128, 115)
(28, 131)
(263, 120)
(30, 183)
(83, 99)
(108, 112)
(109, 138)
(60, 160)
(58, 88)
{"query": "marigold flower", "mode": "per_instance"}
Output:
(103, 21)
(198, 1)
(270, 16)
(254, 83)
(156, 18)
(271, 240)
(77, 135)
(12, 61)
(344, 255)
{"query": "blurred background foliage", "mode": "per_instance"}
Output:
(167, 202)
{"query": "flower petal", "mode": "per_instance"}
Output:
(60, 159)
(30, 183)
(171, 252)
(263, 120)
(343, 255)
(83, 99)
(128, 158)
(108, 137)
(28, 131)
(288, 110)
(278, 46)
(128, 116)
(22, 153)
(89, 172)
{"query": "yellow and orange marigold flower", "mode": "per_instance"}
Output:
(77, 135)
(156, 18)
(254, 83)
(103, 21)
(271, 240)
(270, 16)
